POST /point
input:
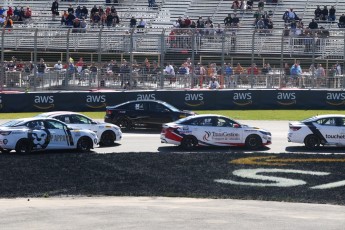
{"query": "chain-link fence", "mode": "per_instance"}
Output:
(39, 59)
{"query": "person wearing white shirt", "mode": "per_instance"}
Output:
(58, 66)
(169, 70)
(213, 84)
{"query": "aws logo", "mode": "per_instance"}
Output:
(286, 98)
(44, 102)
(151, 96)
(96, 101)
(194, 99)
(335, 99)
(242, 99)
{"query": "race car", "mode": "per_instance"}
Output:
(144, 114)
(213, 130)
(326, 130)
(39, 133)
(106, 132)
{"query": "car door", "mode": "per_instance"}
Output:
(159, 113)
(60, 135)
(227, 132)
(139, 112)
(332, 130)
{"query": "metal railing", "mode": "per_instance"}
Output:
(179, 47)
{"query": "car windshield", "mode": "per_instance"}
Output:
(12, 123)
(172, 108)
(309, 119)
(182, 120)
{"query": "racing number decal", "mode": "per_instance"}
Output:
(278, 181)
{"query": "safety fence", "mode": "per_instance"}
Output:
(140, 58)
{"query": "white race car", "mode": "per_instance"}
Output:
(328, 130)
(106, 132)
(39, 133)
(213, 130)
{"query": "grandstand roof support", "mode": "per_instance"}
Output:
(35, 58)
(252, 61)
(2, 58)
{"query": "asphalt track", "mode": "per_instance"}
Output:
(175, 213)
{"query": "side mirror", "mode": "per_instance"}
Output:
(237, 126)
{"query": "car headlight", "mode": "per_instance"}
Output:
(5, 133)
(265, 133)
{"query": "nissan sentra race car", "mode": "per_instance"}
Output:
(327, 130)
(31, 134)
(213, 130)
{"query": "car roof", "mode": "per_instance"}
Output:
(327, 116)
(134, 101)
(207, 115)
(55, 113)
(26, 119)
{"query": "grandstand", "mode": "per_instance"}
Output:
(43, 37)
(160, 19)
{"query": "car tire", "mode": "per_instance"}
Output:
(23, 146)
(312, 142)
(5, 151)
(84, 144)
(124, 123)
(107, 138)
(253, 142)
(189, 142)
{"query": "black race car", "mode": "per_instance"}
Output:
(143, 113)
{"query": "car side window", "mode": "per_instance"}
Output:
(35, 125)
(77, 119)
(54, 125)
(140, 106)
(331, 121)
(208, 121)
(156, 107)
(224, 122)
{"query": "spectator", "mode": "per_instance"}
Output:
(313, 25)
(253, 69)
(95, 19)
(11, 66)
(235, 5)
(293, 15)
(341, 23)
(9, 12)
(219, 30)
(64, 18)
(16, 14)
(260, 25)
(228, 21)
(2, 11)
(2, 21)
(324, 13)
(295, 73)
(338, 68)
(58, 66)
(187, 22)
(110, 20)
(320, 74)
(93, 10)
(250, 5)
(266, 69)
(169, 72)
(116, 19)
(235, 21)
(331, 16)
(261, 5)
(70, 9)
(141, 23)
(214, 84)
(76, 26)
(317, 13)
(286, 17)
(84, 12)
(55, 9)
(83, 25)
(133, 22)
(200, 23)
(70, 19)
(41, 68)
(8, 22)
(78, 12)
(27, 13)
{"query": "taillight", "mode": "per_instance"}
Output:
(108, 112)
(295, 128)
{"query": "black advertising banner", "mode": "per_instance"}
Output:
(191, 100)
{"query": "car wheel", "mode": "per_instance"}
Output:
(5, 151)
(84, 144)
(124, 123)
(253, 142)
(312, 142)
(23, 146)
(108, 138)
(189, 142)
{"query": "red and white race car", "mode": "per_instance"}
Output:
(213, 130)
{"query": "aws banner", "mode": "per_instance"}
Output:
(191, 100)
